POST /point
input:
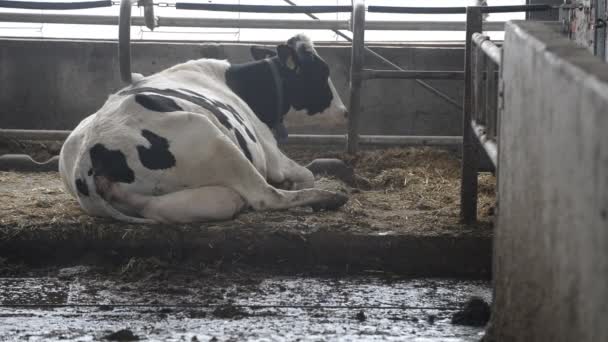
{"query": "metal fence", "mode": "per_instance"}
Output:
(481, 109)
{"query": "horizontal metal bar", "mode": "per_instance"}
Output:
(253, 23)
(245, 23)
(38, 5)
(262, 8)
(413, 74)
(176, 21)
(429, 25)
(488, 47)
(459, 10)
(25, 163)
(382, 140)
(377, 140)
(417, 10)
(488, 144)
(28, 134)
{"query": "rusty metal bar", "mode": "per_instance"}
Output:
(409, 74)
(470, 157)
(490, 49)
(356, 67)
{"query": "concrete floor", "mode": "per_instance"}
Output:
(82, 305)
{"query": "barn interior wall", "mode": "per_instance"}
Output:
(551, 240)
(53, 84)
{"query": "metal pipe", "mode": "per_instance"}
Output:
(254, 23)
(373, 25)
(356, 67)
(27, 134)
(470, 156)
(492, 99)
(262, 8)
(488, 47)
(376, 140)
(25, 163)
(149, 18)
(38, 5)
(459, 10)
(383, 140)
(429, 25)
(488, 144)
(124, 40)
(398, 74)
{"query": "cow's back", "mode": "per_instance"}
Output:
(160, 135)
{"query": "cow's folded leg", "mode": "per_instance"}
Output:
(209, 203)
(243, 177)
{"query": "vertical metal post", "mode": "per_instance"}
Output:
(492, 98)
(468, 188)
(149, 18)
(601, 18)
(356, 68)
(124, 40)
(478, 84)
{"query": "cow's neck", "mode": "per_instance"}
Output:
(261, 88)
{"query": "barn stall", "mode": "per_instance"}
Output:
(347, 273)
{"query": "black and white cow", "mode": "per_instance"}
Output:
(195, 142)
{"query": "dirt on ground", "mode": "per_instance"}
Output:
(414, 190)
(408, 222)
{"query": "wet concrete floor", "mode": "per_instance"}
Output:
(80, 305)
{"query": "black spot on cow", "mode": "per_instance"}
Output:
(157, 103)
(251, 136)
(157, 156)
(111, 164)
(190, 96)
(82, 187)
(243, 145)
(90, 172)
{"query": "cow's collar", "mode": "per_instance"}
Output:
(279, 130)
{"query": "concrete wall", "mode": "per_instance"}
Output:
(551, 240)
(49, 84)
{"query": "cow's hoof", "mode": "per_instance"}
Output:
(334, 202)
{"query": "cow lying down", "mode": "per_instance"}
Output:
(196, 142)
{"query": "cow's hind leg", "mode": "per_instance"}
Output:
(243, 177)
(209, 203)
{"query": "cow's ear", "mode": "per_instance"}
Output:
(287, 55)
(258, 53)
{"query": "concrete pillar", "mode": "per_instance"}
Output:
(551, 240)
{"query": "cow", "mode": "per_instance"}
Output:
(198, 141)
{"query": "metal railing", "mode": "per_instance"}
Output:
(481, 109)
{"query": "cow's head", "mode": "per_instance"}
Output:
(306, 83)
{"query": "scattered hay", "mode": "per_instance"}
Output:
(413, 190)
